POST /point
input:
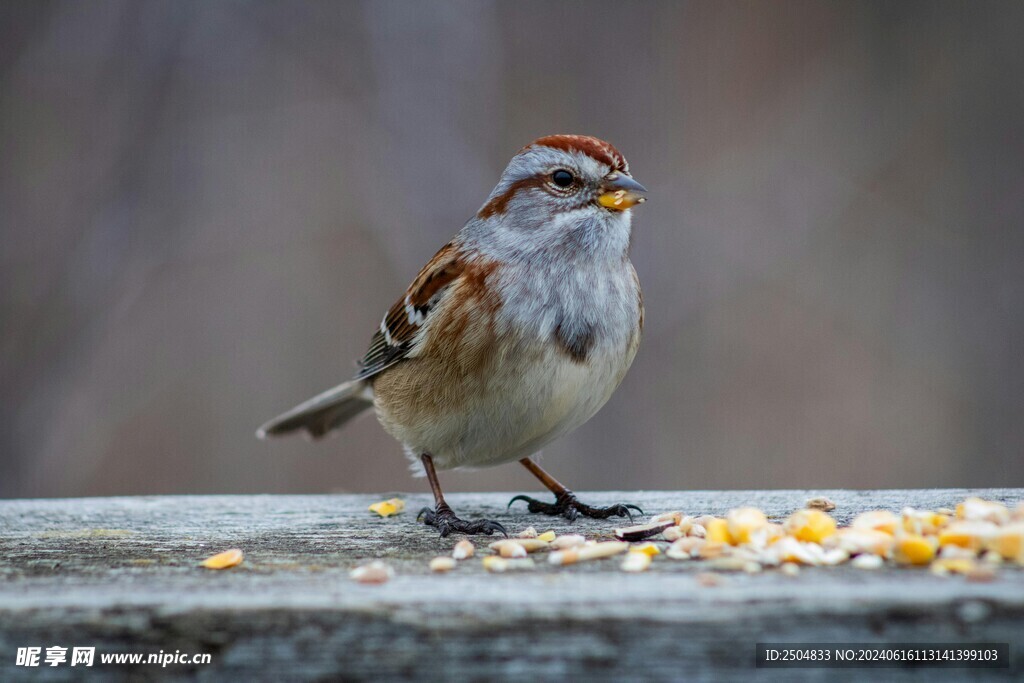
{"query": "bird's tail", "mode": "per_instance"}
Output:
(323, 413)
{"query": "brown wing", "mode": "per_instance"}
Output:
(403, 321)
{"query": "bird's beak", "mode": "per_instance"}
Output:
(620, 192)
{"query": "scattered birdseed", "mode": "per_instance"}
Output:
(224, 560)
(635, 562)
(374, 572)
(867, 562)
(512, 551)
(463, 549)
(585, 553)
(387, 508)
(548, 536)
(499, 565)
(820, 503)
(639, 533)
(529, 532)
(790, 569)
(567, 541)
(529, 545)
(442, 564)
(648, 549)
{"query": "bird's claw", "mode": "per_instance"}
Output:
(567, 505)
(444, 520)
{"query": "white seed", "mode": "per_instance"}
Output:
(463, 549)
(530, 545)
(867, 562)
(585, 553)
(512, 550)
(673, 533)
(790, 568)
(498, 565)
(529, 532)
(636, 562)
(568, 541)
(674, 517)
(698, 531)
(374, 572)
(442, 564)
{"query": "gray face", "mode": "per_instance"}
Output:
(548, 199)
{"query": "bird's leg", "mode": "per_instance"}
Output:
(442, 518)
(566, 504)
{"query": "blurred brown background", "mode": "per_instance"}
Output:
(206, 207)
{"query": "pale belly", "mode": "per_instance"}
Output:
(508, 410)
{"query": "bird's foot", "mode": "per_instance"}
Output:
(567, 505)
(444, 520)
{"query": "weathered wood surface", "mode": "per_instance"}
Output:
(121, 574)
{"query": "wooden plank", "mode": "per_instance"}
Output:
(121, 574)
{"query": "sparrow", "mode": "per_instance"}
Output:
(514, 334)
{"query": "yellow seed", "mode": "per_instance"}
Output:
(717, 531)
(546, 536)
(1009, 542)
(224, 560)
(648, 549)
(922, 522)
(387, 508)
(512, 550)
(953, 565)
(813, 526)
(914, 549)
(877, 520)
(972, 535)
(635, 562)
(493, 563)
(741, 523)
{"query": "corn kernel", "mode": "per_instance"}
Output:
(914, 549)
(972, 535)
(717, 531)
(867, 562)
(953, 565)
(635, 562)
(648, 549)
(741, 523)
(922, 522)
(374, 572)
(529, 532)
(442, 564)
(861, 541)
(1009, 542)
(813, 526)
(877, 520)
(978, 510)
(387, 508)
(224, 560)
(463, 549)
(547, 536)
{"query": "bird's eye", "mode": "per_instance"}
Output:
(562, 178)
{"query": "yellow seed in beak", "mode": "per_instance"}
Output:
(620, 200)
